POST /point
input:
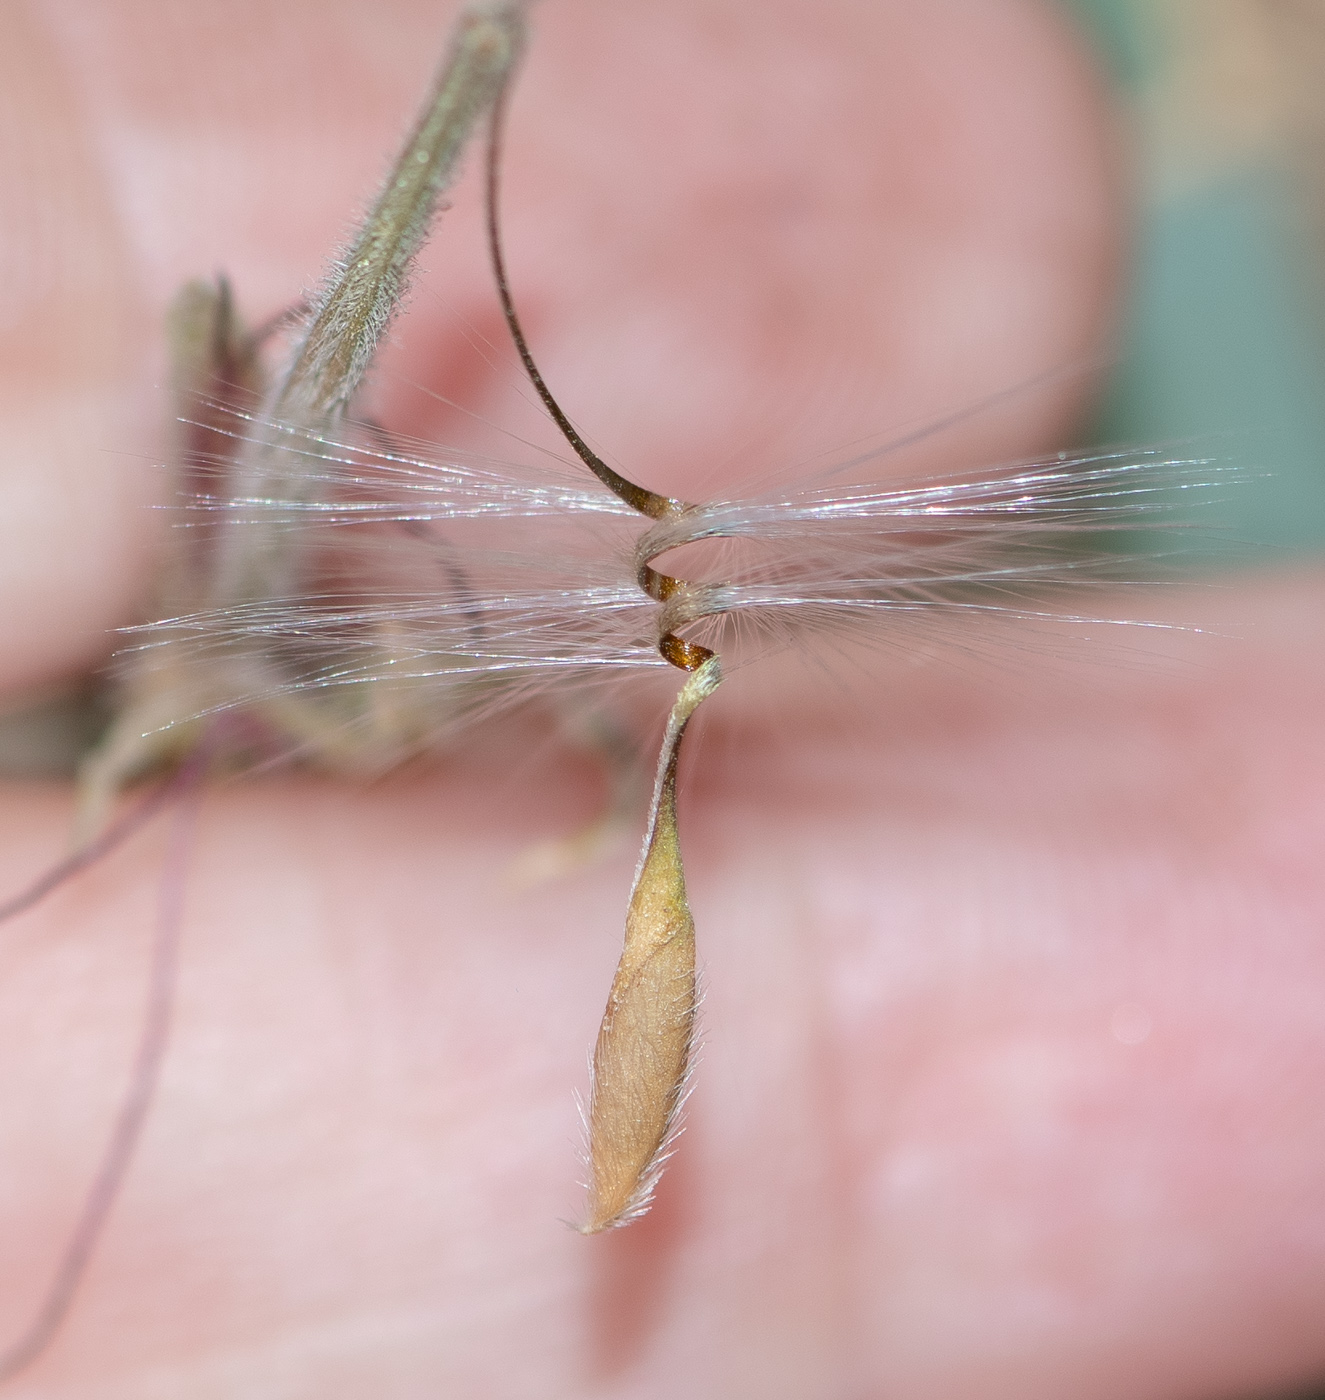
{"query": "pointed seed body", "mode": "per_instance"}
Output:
(643, 1050)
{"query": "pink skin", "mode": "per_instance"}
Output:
(1013, 1042)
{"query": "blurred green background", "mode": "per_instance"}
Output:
(1223, 350)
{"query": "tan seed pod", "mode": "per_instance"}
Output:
(643, 1052)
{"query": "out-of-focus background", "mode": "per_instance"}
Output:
(1223, 349)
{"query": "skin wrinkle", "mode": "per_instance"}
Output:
(354, 1178)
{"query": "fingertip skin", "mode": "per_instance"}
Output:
(741, 237)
